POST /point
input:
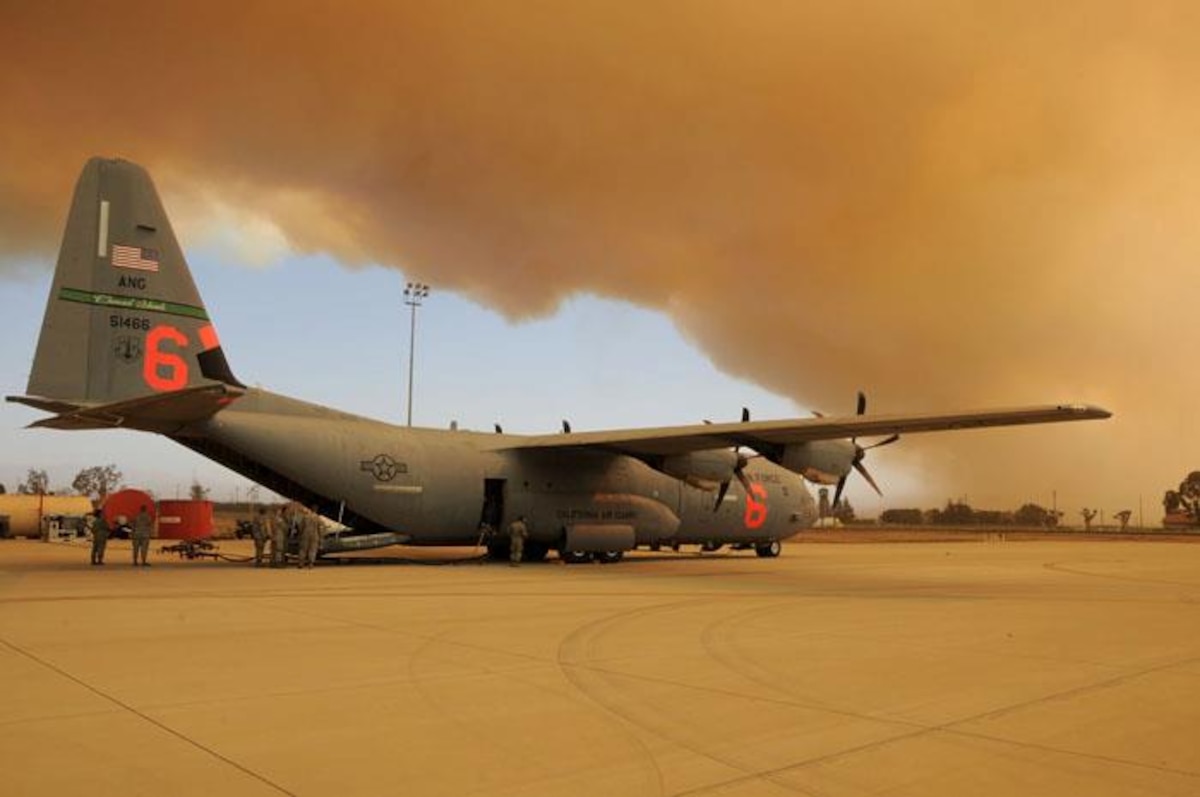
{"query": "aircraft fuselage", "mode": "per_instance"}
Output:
(435, 487)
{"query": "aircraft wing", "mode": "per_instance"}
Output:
(767, 436)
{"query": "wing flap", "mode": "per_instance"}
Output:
(768, 435)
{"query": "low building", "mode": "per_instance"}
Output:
(28, 515)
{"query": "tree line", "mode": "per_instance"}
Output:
(959, 513)
(96, 482)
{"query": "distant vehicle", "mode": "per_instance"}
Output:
(127, 343)
(58, 528)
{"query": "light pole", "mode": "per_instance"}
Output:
(414, 294)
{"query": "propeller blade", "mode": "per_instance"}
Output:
(882, 443)
(737, 468)
(721, 495)
(837, 494)
(860, 452)
(858, 466)
(741, 476)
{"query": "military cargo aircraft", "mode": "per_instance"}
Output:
(126, 342)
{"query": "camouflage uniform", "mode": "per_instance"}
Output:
(279, 529)
(310, 537)
(517, 534)
(99, 538)
(261, 530)
(142, 526)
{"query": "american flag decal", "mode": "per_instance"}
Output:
(134, 257)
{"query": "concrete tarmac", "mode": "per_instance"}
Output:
(974, 668)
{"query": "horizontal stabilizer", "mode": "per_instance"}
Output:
(46, 404)
(166, 413)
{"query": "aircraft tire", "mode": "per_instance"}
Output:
(574, 557)
(609, 557)
(769, 549)
(497, 550)
(535, 552)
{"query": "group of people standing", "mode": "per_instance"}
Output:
(275, 527)
(143, 526)
(272, 527)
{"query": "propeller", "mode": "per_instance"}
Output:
(739, 472)
(860, 452)
(738, 468)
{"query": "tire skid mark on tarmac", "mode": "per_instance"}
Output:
(654, 778)
(597, 684)
(1076, 569)
(746, 665)
(916, 730)
(392, 631)
(719, 640)
(595, 632)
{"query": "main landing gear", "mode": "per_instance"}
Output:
(579, 557)
(769, 549)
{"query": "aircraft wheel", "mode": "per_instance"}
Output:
(711, 547)
(769, 549)
(534, 552)
(609, 557)
(574, 557)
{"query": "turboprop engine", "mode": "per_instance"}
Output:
(706, 470)
(830, 461)
(821, 461)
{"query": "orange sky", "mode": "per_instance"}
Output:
(948, 204)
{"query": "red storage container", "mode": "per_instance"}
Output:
(123, 505)
(185, 520)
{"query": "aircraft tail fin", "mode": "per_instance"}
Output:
(124, 319)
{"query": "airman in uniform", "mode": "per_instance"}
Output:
(142, 526)
(518, 532)
(279, 531)
(310, 537)
(261, 532)
(99, 537)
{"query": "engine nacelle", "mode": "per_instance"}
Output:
(706, 470)
(821, 461)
